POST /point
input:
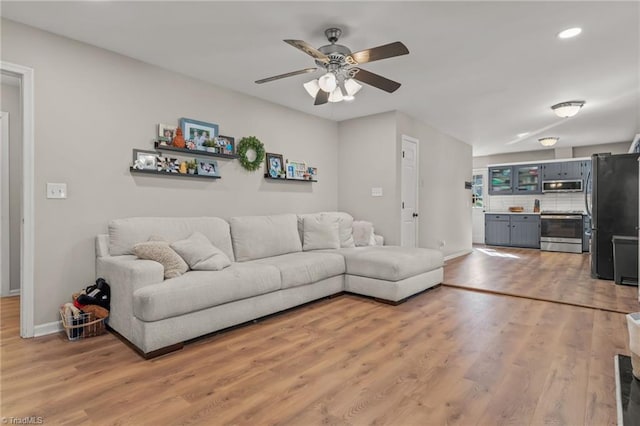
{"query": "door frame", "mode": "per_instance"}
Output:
(4, 193)
(27, 246)
(415, 141)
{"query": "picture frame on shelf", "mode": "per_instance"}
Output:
(198, 132)
(274, 164)
(226, 144)
(144, 160)
(313, 172)
(208, 167)
(166, 164)
(166, 133)
(296, 170)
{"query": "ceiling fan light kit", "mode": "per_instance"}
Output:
(338, 83)
(567, 109)
(548, 141)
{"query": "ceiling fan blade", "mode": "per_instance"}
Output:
(308, 49)
(321, 98)
(375, 80)
(376, 53)
(289, 74)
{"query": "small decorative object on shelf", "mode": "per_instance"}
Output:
(210, 145)
(192, 166)
(183, 167)
(144, 160)
(178, 139)
(250, 153)
(274, 166)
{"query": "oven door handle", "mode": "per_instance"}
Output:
(545, 216)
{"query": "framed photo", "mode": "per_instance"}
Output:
(166, 133)
(198, 132)
(144, 160)
(165, 164)
(208, 167)
(274, 164)
(226, 144)
(313, 171)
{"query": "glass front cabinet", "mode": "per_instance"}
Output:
(528, 179)
(501, 180)
(506, 180)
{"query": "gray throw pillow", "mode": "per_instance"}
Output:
(200, 254)
(160, 252)
(320, 233)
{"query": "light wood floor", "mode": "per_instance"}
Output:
(446, 356)
(560, 277)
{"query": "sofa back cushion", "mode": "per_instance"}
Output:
(345, 226)
(256, 237)
(125, 233)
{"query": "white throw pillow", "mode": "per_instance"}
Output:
(363, 233)
(159, 251)
(320, 233)
(200, 254)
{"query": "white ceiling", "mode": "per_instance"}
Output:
(480, 71)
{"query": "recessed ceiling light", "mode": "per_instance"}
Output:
(522, 135)
(570, 32)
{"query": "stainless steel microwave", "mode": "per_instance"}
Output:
(562, 185)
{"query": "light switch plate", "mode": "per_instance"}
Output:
(56, 190)
(376, 192)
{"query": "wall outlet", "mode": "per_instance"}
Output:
(56, 190)
(376, 192)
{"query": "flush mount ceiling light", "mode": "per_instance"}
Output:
(548, 141)
(570, 32)
(567, 109)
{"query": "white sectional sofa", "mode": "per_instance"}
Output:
(270, 272)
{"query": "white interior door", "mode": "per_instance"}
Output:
(5, 287)
(409, 192)
(479, 199)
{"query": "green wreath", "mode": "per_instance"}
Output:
(250, 143)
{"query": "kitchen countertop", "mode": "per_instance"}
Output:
(507, 212)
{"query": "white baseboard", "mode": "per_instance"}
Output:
(457, 254)
(48, 328)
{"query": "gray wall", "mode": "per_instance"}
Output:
(549, 154)
(370, 156)
(366, 159)
(444, 203)
(10, 101)
(93, 107)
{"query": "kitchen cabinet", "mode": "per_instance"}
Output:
(525, 231)
(497, 230)
(501, 180)
(527, 179)
(565, 170)
(512, 230)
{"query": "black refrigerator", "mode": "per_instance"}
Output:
(614, 207)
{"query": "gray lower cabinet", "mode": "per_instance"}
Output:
(497, 229)
(512, 230)
(525, 231)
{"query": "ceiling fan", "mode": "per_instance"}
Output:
(341, 70)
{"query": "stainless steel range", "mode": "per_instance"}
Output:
(561, 231)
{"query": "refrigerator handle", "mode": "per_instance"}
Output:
(586, 195)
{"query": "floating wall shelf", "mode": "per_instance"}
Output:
(268, 177)
(180, 175)
(193, 152)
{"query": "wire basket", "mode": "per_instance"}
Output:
(82, 326)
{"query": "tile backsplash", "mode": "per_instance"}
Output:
(573, 201)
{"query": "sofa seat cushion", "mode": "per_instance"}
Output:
(390, 263)
(198, 290)
(303, 268)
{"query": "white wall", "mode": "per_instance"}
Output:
(366, 159)
(444, 203)
(10, 101)
(92, 107)
(370, 156)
